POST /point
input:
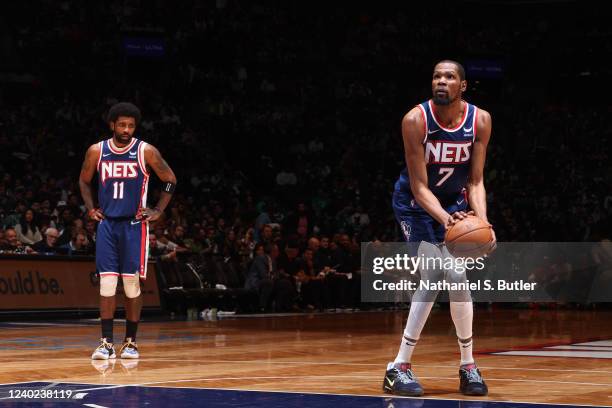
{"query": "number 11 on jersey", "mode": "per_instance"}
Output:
(118, 190)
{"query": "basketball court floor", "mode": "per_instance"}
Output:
(320, 360)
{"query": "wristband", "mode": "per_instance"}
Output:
(169, 188)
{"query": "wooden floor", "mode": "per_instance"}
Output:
(330, 353)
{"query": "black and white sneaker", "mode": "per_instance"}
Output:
(400, 380)
(104, 351)
(471, 381)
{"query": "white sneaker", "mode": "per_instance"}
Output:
(129, 349)
(104, 351)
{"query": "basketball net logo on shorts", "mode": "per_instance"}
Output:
(440, 151)
(119, 170)
(405, 229)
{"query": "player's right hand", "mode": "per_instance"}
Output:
(95, 214)
(456, 217)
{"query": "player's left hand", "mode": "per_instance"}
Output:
(493, 243)
(148, 214)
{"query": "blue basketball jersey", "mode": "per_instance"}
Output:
(122, 178)
(447, 156)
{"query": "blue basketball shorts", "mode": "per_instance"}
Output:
(416, 223)
(122, 247)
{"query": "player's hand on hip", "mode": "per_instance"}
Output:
(148, 214)
(95, 214)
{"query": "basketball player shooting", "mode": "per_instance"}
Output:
(445, 143)
(122, 163)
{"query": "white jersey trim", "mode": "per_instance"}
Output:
(144, 191)
(141, 158)
(475, 124)
(101, 145)
(120, 150)
(143, 274)
(425, 119)
(465, 116)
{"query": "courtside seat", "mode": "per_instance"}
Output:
(173, 294)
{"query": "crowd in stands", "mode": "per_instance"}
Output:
(282, 124)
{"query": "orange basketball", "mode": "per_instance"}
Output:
(470, 237)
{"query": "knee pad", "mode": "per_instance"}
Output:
(108, 285)
(131, 286)
(462, 314)
(430, 271)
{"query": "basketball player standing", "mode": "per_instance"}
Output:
(122, 163)
(445, 143)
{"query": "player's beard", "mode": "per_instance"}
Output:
(441, 100)
(123, 139)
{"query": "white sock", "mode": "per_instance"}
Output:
(419, 312)
(404, 355)
(463, 317)
(466, 352)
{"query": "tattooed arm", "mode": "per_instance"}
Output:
(154, 159)
(87, 172)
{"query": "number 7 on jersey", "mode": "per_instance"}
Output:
(445, 172)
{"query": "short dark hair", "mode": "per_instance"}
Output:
(124, 109)
(460, 68)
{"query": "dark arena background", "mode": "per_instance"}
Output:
(282, 122)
